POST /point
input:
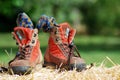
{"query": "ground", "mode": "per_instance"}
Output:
(94, 73)
(102, 51)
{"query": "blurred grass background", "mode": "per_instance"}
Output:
(97, 23)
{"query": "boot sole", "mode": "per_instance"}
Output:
(49, 65)
(3, 69)
(20, 70)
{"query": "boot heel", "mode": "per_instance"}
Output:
(49, 65)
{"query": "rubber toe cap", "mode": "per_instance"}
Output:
(78, 67)
(20, 70)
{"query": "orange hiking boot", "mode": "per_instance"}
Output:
(60, 50)
(29, 53)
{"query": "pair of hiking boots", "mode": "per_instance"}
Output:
(60, 51)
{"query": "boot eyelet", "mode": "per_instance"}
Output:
(13, 37)
(33, 41)
(55, 32)
(16, 43)
(35, 35)
(57, 39)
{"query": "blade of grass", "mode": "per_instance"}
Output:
(110, 60)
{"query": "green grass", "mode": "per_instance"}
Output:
(94, 49)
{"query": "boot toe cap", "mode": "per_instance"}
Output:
(78, 67)
(20, 70)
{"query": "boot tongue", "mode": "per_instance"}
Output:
(20, 35)
(24, 35)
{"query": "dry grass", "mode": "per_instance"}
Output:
(95, 73)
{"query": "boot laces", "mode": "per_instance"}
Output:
(24, 51)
